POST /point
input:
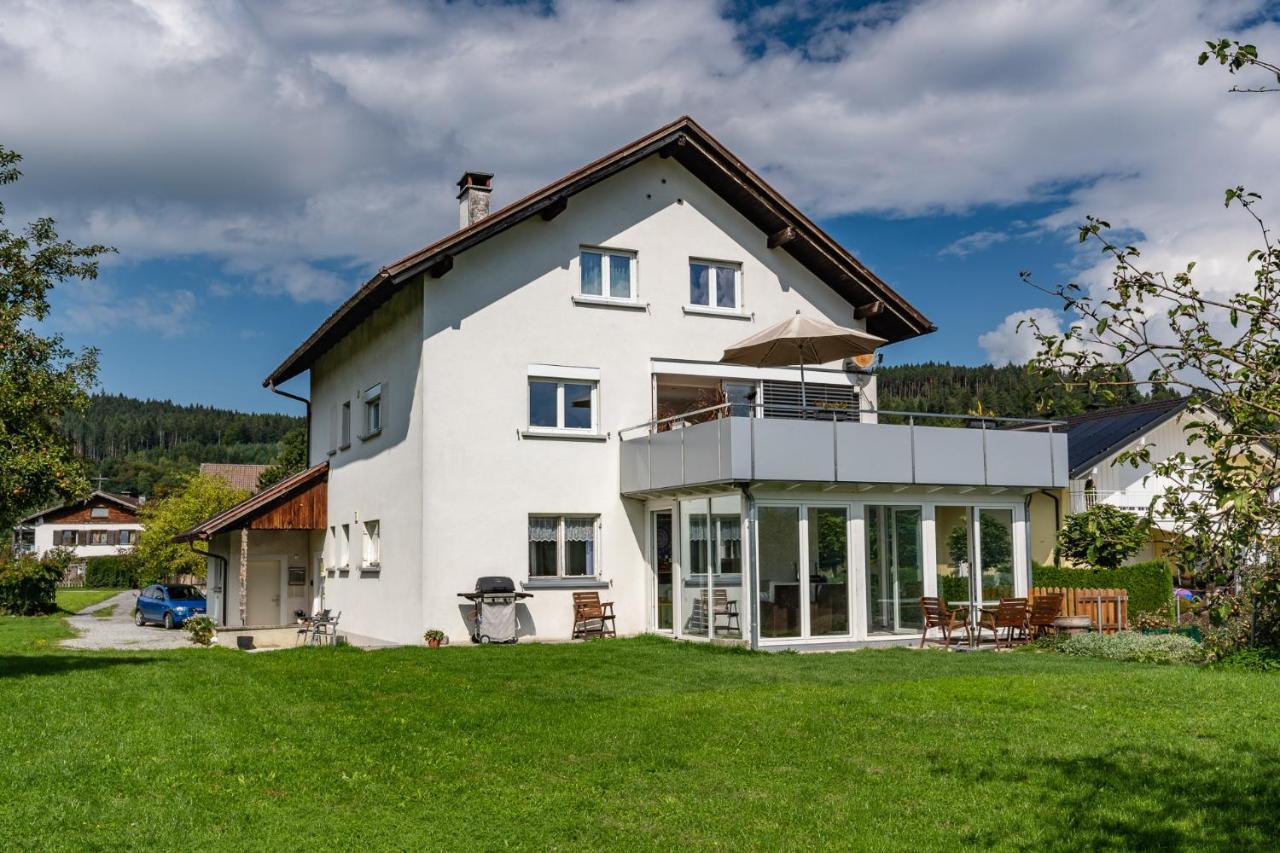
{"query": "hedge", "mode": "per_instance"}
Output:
(1150, 584)
(115, 571)
(29, 587)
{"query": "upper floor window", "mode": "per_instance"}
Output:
(99, 512)
(346, 426)
(608, 273)
(715, 285)
(562, 404)
(373, 410)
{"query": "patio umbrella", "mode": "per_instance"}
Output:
(800, 340)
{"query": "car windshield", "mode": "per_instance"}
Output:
(183, 592)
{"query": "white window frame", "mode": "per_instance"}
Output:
(562, 552)
(372, 402)
(344, 425)
(371, 545)
(99, 512)
(713, 287)
(344, 546)
(562, 376)
(605, 274)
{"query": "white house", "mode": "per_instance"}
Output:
(102, 524)
(538, 395)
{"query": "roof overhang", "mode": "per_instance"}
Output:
(243, 513)
(887, 313)
(118, 500)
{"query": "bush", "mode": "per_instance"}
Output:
(200, 629)
(1150, 585)
(1102, 536)
(29, 587)
(1251, 660)
(1128, 646)
(117, 571)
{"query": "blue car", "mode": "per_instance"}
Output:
(170, 603)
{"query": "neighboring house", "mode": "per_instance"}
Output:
(101, 524)
(496, 404)
(240, 477)
(1095, 440)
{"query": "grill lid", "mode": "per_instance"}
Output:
(495, 584)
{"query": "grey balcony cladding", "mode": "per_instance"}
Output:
(744, 449)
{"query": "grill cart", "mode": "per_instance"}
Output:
(494, 609)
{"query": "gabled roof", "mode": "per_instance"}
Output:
(243, 477)
(1094, 436)
(128, 502)
(254, 506)
(695, 149)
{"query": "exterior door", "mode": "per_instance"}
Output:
(263, 592)
(662, 560)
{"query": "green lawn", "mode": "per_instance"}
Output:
(625, 744)
(75, 600)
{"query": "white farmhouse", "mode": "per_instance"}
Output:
(538, 395)
(102, 524)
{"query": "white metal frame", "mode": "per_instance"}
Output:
(652, 510)
(606, 273)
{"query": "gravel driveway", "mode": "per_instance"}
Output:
(117, 631)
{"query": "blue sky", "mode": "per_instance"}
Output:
(255, 162)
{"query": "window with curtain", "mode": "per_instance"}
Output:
(562, 546)
(608, 273)
(557, 404)
(698, 544)
(728, 530)
(713, 285)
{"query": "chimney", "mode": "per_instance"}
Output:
(473, 197)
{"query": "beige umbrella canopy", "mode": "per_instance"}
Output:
(800, 340)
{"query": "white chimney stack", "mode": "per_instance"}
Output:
(473, 197)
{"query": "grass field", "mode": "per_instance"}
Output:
(627, 744)
(75, 600)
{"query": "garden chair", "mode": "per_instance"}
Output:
(325, 631)
(936, 615)
(591, 617)
(1010, 616)
(722, 608)
(1045, 609)
(304, 625)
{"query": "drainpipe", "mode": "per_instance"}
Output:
(271, 386)
(1026, 515)
(748, 512)
(225, 564)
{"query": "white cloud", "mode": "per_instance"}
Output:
(975, 242)
(92, 306)
(1013, 342)
(297, 138)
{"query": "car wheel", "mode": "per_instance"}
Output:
(137, 618)
(168, 621)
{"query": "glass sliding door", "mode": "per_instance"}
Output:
(662, 561)
(778, 565)
(695, 621)
(953, 529)
(894, 573)
(828, 561)
(726, 606)
(995, 549)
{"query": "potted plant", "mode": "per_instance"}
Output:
(434, 637)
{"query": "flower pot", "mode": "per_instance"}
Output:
(433, 644)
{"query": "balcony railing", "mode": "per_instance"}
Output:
(733, 443)
(1138, 503)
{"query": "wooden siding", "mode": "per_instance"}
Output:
(83, 514)
(304, 511)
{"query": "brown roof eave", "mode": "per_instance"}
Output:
(248, 508)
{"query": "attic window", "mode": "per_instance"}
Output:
(99, 512)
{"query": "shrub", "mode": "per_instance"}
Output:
(1150, 585)
(29, 587)
(1102, 536)
(117, 571)
(200, 629)
(1253, 660)
(1128, 646)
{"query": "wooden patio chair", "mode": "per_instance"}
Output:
(1010, 616)
(1045, 608)
(591, 617)
(937, 615)
(722, 609)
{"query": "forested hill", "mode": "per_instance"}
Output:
(1008, 391)
(143, 446)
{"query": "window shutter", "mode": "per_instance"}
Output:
(82, 537)
(383, 411)
(783, 399)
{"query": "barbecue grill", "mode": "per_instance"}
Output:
(494, 609)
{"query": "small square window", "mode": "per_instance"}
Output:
(608, 274)
(562, 404)
(713, 285)
(99, 512)
(562, 546)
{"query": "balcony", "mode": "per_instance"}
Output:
(731, 443)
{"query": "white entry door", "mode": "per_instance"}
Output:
(263, 592)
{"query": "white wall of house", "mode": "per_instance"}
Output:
(43, 535)
(453, 480)
(1126, 486)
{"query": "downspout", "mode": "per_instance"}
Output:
(1026, 514)
(225, 564)
(749, 513)
(271, 386)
